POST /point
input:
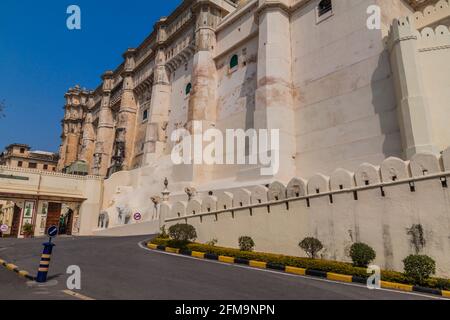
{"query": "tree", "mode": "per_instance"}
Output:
(311, 246)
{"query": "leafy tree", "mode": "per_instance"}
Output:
(419, 267)
(246, 243)
(311, 246)
(362, 255)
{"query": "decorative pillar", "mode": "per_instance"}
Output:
(105, 131)
(72, 127)
(202, 110)
(274, 95)
(126, 127)
(155, 138)
(88, 139)
(414, 112)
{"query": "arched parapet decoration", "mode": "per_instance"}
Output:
(179, 209)
(260, 194)
(318, 183)
(166, 211)
(367, 174)
(342, 179)
(224, 200)
(241, 198)
(394, 169)
(194, 207)
(209, 204)
(446, 159)
(277, 191)
(423, 164)
(442, 31)
(296, 188)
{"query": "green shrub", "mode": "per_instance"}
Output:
(182, 233)
(163, 233)
(305, 263)
(212, 243)
(246, 244)
(419, 268)
(362, 255)
(28, 229)
(311, 246)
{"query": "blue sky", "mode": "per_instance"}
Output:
(40, 58)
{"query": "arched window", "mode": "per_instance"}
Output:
(324, 7)
(188, 88)
(234, 62)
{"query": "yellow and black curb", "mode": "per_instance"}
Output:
(299, 271)
(14, 268)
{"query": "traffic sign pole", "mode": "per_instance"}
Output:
(44, 265)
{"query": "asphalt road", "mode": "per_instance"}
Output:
(117, 268)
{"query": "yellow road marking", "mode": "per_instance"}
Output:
(11, 266)
(396, 286)
(339, 277)
(293, 270)
(172, 250)
(152, 246)
(257, 264)
(226, 259)
(446, 294)
(23, 273)
(200, 255)
(77, 295)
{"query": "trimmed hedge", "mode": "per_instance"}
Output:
(305, 263)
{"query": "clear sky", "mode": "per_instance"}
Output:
(40, 58)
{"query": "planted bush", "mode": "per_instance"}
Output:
(419, 268)
(362, 255)
(182, 233)
(311, 246)
(246, 244)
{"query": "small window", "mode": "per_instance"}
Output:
(22, 150)
(325, 6)
(188, 88)
(234, 62)
(32, 165)
(145, 115)
(20, 164)
(45, 166)
(54, 169)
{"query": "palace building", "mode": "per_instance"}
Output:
(361, 110)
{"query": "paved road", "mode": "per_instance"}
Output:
(117, 268)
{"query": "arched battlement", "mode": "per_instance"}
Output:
(342, 179)
(224, 200)
(260, 194)
(431, 14)
(319, 183)
(446, 159)
(209, 204)
(423, 164)
(241, 198)
(297, 187)
(367, 174)
(179, 209)
(194, 207)
(277, 191)
(394, 169)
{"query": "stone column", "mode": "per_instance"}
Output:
(155, 138)
(88, 139)
(414, 112)
(105, 131)
(203, 97)
(72, 127)
(127, 113)
(274, 95)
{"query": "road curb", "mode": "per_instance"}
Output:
(15, 269)
(299, 271)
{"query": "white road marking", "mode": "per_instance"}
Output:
(288, 274)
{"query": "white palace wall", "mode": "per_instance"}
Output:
(377, 205)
